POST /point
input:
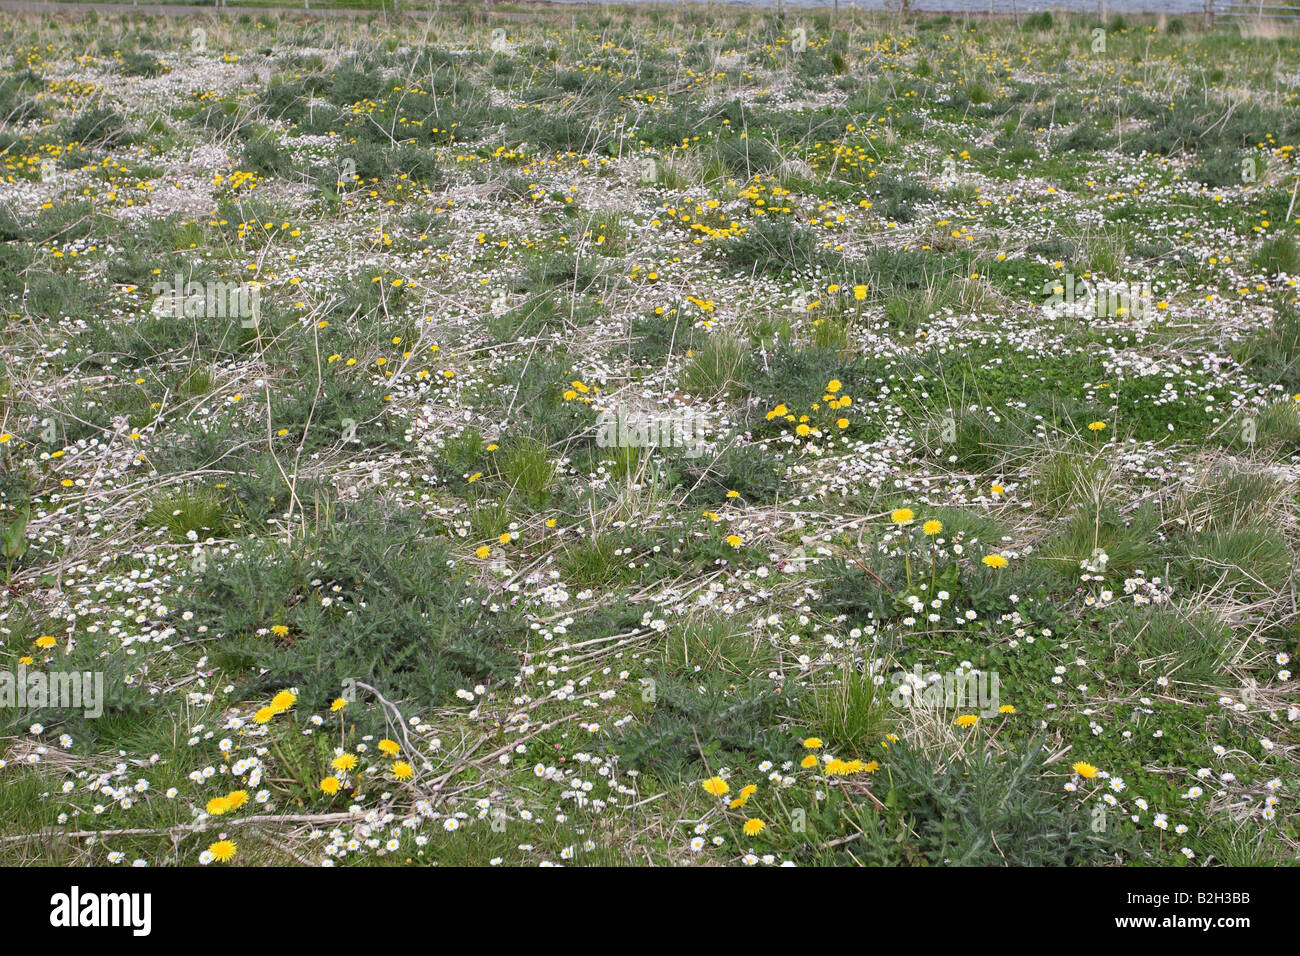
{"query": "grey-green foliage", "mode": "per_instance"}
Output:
(418, 629)
(978, 807)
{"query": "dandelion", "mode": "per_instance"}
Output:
(754, 826)
(1096, 426)
(344, 762)
(813, 743)
(403, 770)
(329, 786)
(223, 851)
(994, 560)
(902, 516)
(716, 786)
(966, 720)
(1085, 770)
(389, 748)
(932, 527)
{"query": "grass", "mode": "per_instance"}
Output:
(377, 550)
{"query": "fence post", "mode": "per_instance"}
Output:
(1209, 14)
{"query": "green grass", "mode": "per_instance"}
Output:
(376, 551)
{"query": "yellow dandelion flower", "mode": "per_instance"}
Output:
(966, 720)
(994, 560)
(902, 516)
(1085, 770)
(932, 527)
(223, 851)
(813, 743)
(217, 806)
(754, 826)
(329, 786)
(403, 770)
(715, 786)
(389, 747)
(344, 762)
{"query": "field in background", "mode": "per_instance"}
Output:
(647, 437)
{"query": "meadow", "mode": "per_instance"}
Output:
(679, 436)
